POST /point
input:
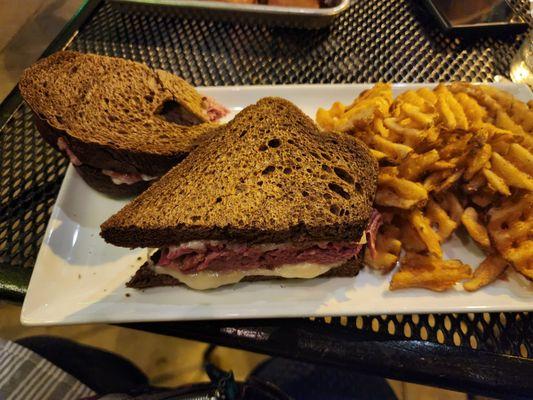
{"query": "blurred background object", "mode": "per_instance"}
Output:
(26, 29)
(522, 64)
(477, 16)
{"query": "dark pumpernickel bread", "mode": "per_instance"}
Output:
(146, 278)
(113, 113)
(267, 176)
(103, 183)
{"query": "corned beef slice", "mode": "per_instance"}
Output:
(196, 256)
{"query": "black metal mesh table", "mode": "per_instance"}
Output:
(373, 41)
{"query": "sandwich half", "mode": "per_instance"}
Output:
(268, 196)
(121, 124)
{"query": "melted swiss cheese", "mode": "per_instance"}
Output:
(210, 280)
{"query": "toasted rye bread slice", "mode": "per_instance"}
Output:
(145, 277)
(103, 183)
(94, 176)
(269, 175)
(113, 113)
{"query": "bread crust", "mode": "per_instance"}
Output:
(93, 155)
(103, 183)
(94, 176)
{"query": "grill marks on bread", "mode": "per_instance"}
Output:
(267, 176)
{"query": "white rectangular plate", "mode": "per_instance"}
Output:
(78, 278)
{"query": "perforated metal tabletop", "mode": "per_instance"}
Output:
(373, 41)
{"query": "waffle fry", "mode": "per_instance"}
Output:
(411, 193)
(416, 165)
(476, 230)
(510, 174)
(410, 238)
(447, 155)
(440, 220)
(441, 180)
(388, 249)
(480, 159)
(488, 271)
(510, 226)
(521, 158)
(473, 110)
(428, 272)
(395, 151)
(422, 226)
(496, 183)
